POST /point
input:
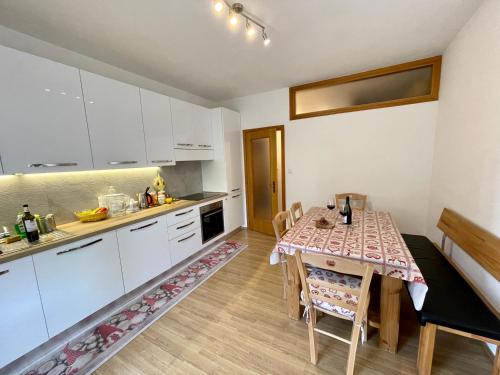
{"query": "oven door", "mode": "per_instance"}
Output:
(212, 221)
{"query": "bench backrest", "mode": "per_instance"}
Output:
(480, 244)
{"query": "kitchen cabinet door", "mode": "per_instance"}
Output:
(143, 251)
(235, 212)
(42, 117)
(77, 279)
(233, 152)
(183, 117)
(202, 128)
(115, 122)
(157, 119)
(22, 325)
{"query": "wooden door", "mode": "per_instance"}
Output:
(261, 171)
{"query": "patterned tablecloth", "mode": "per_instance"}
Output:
(372, 237)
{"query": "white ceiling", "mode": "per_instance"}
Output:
(183, 44)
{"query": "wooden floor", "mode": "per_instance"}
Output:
(236, 323)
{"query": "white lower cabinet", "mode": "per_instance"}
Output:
(78, 279)
(144, 251)
(22, 325)
(233, 211)
(185, 245)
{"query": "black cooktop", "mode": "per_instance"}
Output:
(199, 196)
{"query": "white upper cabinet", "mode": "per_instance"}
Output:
(182, 120)
(22, 324)
(233, 149)
(225, 173)
(115, 122)
(192, 126)
(42, 117)
(157, 119)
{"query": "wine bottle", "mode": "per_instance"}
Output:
(347, 212)
(30, 225)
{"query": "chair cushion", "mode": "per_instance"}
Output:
(450, 301)
(333, 278)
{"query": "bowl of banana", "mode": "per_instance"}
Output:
(97, 214)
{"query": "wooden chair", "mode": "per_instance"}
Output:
(296, 211)
(328, 287)
(282, 222)
(356, 200)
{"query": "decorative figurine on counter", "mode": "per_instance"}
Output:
(159, 183)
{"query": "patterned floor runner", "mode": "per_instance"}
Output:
(89, 351)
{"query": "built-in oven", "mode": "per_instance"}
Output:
(212, 220)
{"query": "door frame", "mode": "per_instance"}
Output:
(245, 157)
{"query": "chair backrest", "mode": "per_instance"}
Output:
(296, 211)
(281, 223)
(356, 200)
(338, 265)
(481, 245)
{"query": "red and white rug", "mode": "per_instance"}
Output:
(89, 351)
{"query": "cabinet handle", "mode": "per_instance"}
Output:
(204, 145)
(237, 189)
(123, 162)
(144, 226)
(161, 161)
(236, 196)
(185, 144)
(187, 238)
(51, 165)
(186, 225)
(4, 272)
(184, 213)
(79, 247)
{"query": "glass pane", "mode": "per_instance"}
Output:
(401, 85)
(261, 164)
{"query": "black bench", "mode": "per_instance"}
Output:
(450, 305)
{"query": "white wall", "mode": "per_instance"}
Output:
(26, 43)
(386, 153)
(466, 167)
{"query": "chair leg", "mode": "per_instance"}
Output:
(496, 364)
(285, 277)
(352, 350)
(364, 332)
(313, 336)
(426, 348)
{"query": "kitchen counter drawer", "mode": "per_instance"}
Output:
(184, 246)
(182, 215)
(78, 279)
(182, 227)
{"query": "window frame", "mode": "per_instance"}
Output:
(433, 62)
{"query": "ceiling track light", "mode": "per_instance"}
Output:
(237, 10)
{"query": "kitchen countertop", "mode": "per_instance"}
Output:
(78, 231)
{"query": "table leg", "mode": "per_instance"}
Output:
(390, 300)
(293, 288)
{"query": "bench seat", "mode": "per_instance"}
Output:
(450, 301)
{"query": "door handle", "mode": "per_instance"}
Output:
(274, 187)
(144, 226)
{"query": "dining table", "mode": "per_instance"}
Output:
(374, 238)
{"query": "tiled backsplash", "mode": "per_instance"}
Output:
(64, 193)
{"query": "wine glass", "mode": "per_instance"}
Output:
(331, 203)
